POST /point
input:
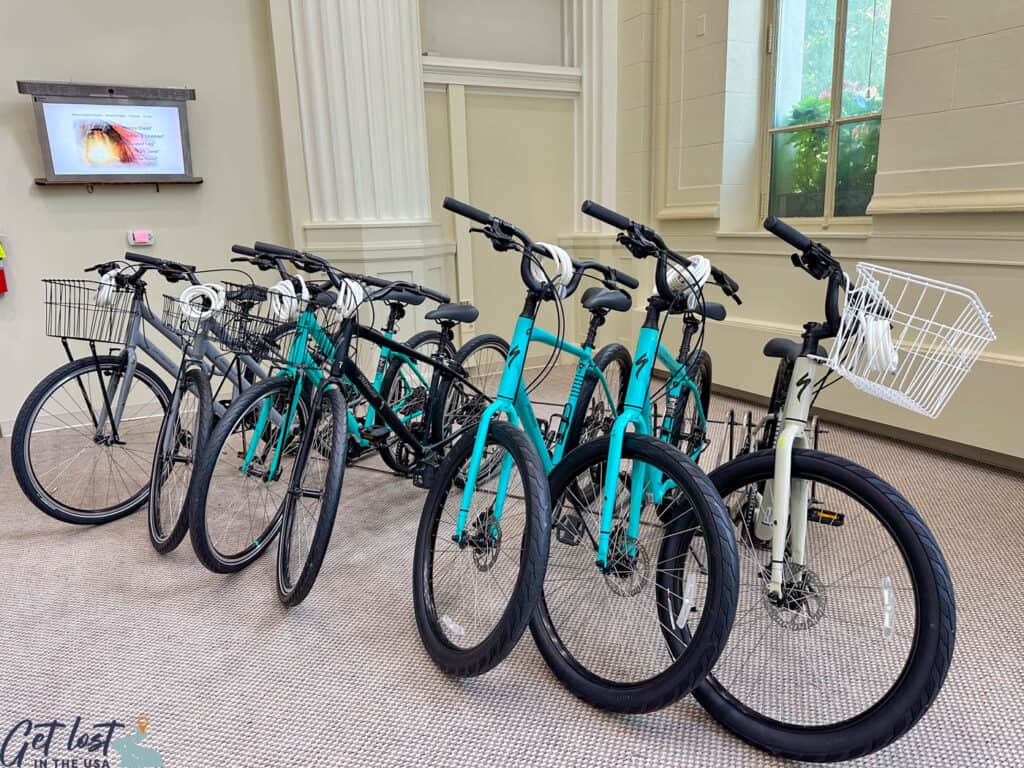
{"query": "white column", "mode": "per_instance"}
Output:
(595, 52)
(360, 92)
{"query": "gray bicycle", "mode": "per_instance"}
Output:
(85, 438)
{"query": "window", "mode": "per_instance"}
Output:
(827, 61)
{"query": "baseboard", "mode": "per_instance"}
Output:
(942, 445)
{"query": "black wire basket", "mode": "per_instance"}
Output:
(87, 310)
(255, 329)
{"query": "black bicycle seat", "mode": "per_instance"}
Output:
(788, 349)
(454, 313)
(711, 310)
(598, 299)
(247, 294)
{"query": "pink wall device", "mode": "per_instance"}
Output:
(140, 237)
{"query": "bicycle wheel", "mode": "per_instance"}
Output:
(687, 432)
(69, 468)
(234, 508)
(407, 395)
(473, 599)
(482, 361)
(594, 414)
(312, 500)
(184, 430)
(859, 645)
(599, 630)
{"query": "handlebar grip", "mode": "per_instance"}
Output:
(783, 231)
(430, 293)
(243, 250)
(150, 261)
(607, 215)
(467, 210)
(627, 280)
(276, 250)
(143, 259)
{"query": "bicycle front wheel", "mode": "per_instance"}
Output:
(856, 649)
(474, 594)
(312, 500)
(242, 475)
(603, 631)
(73, 460)
(185, 427)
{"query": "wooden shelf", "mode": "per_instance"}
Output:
(115, 182)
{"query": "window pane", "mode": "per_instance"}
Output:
(867, 34)
(798, 173)
(805, 47)
(855, 174)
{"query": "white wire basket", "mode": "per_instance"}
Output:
(908, 339)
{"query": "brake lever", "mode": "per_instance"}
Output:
(499, 240)
(104, 268)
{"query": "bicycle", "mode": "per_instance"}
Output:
(258, 443)
(849, 619)
(658, 474)
(101, 412)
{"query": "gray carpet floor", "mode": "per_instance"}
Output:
(98, 625)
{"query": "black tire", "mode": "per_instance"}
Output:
(513, 606)
(177, 448)
(319, 469)
(463, 406)
(572, 561)
(224, 452)
(392, 450)
(129, 483)
(930, 643)
(594, 415)
(686, 434)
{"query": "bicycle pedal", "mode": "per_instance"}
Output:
(375, 434)
(423, 476)
(569, 529)
(825, 517)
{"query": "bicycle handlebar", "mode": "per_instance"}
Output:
(607, 215)
(467, 210)
(784, 232)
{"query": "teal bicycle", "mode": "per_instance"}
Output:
(633, 517)
(464, 530)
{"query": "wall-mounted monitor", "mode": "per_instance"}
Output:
(98, 134)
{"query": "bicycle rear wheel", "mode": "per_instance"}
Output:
(600, 630)
(312, 500)
(688, 432)
(184, 431)
(595, 414)
(66, 457)
(408, 394)
(857, 648)
(234, 504)
(474, 597)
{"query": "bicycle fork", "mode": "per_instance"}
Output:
(788, 497)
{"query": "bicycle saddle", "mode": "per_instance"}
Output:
(787, 349)
(598, 298)
(454, 313)
(404, 297)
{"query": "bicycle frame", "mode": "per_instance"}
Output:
(202, 351)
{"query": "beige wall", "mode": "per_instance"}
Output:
(950, 142)
(518, 153)
(222, 49)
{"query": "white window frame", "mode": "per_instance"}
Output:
(834, 122)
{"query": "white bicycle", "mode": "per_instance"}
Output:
(846, 620)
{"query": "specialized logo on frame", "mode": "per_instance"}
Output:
(79, 744)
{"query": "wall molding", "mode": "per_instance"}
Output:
(692, 211)
(956, 201)
(502, 75)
